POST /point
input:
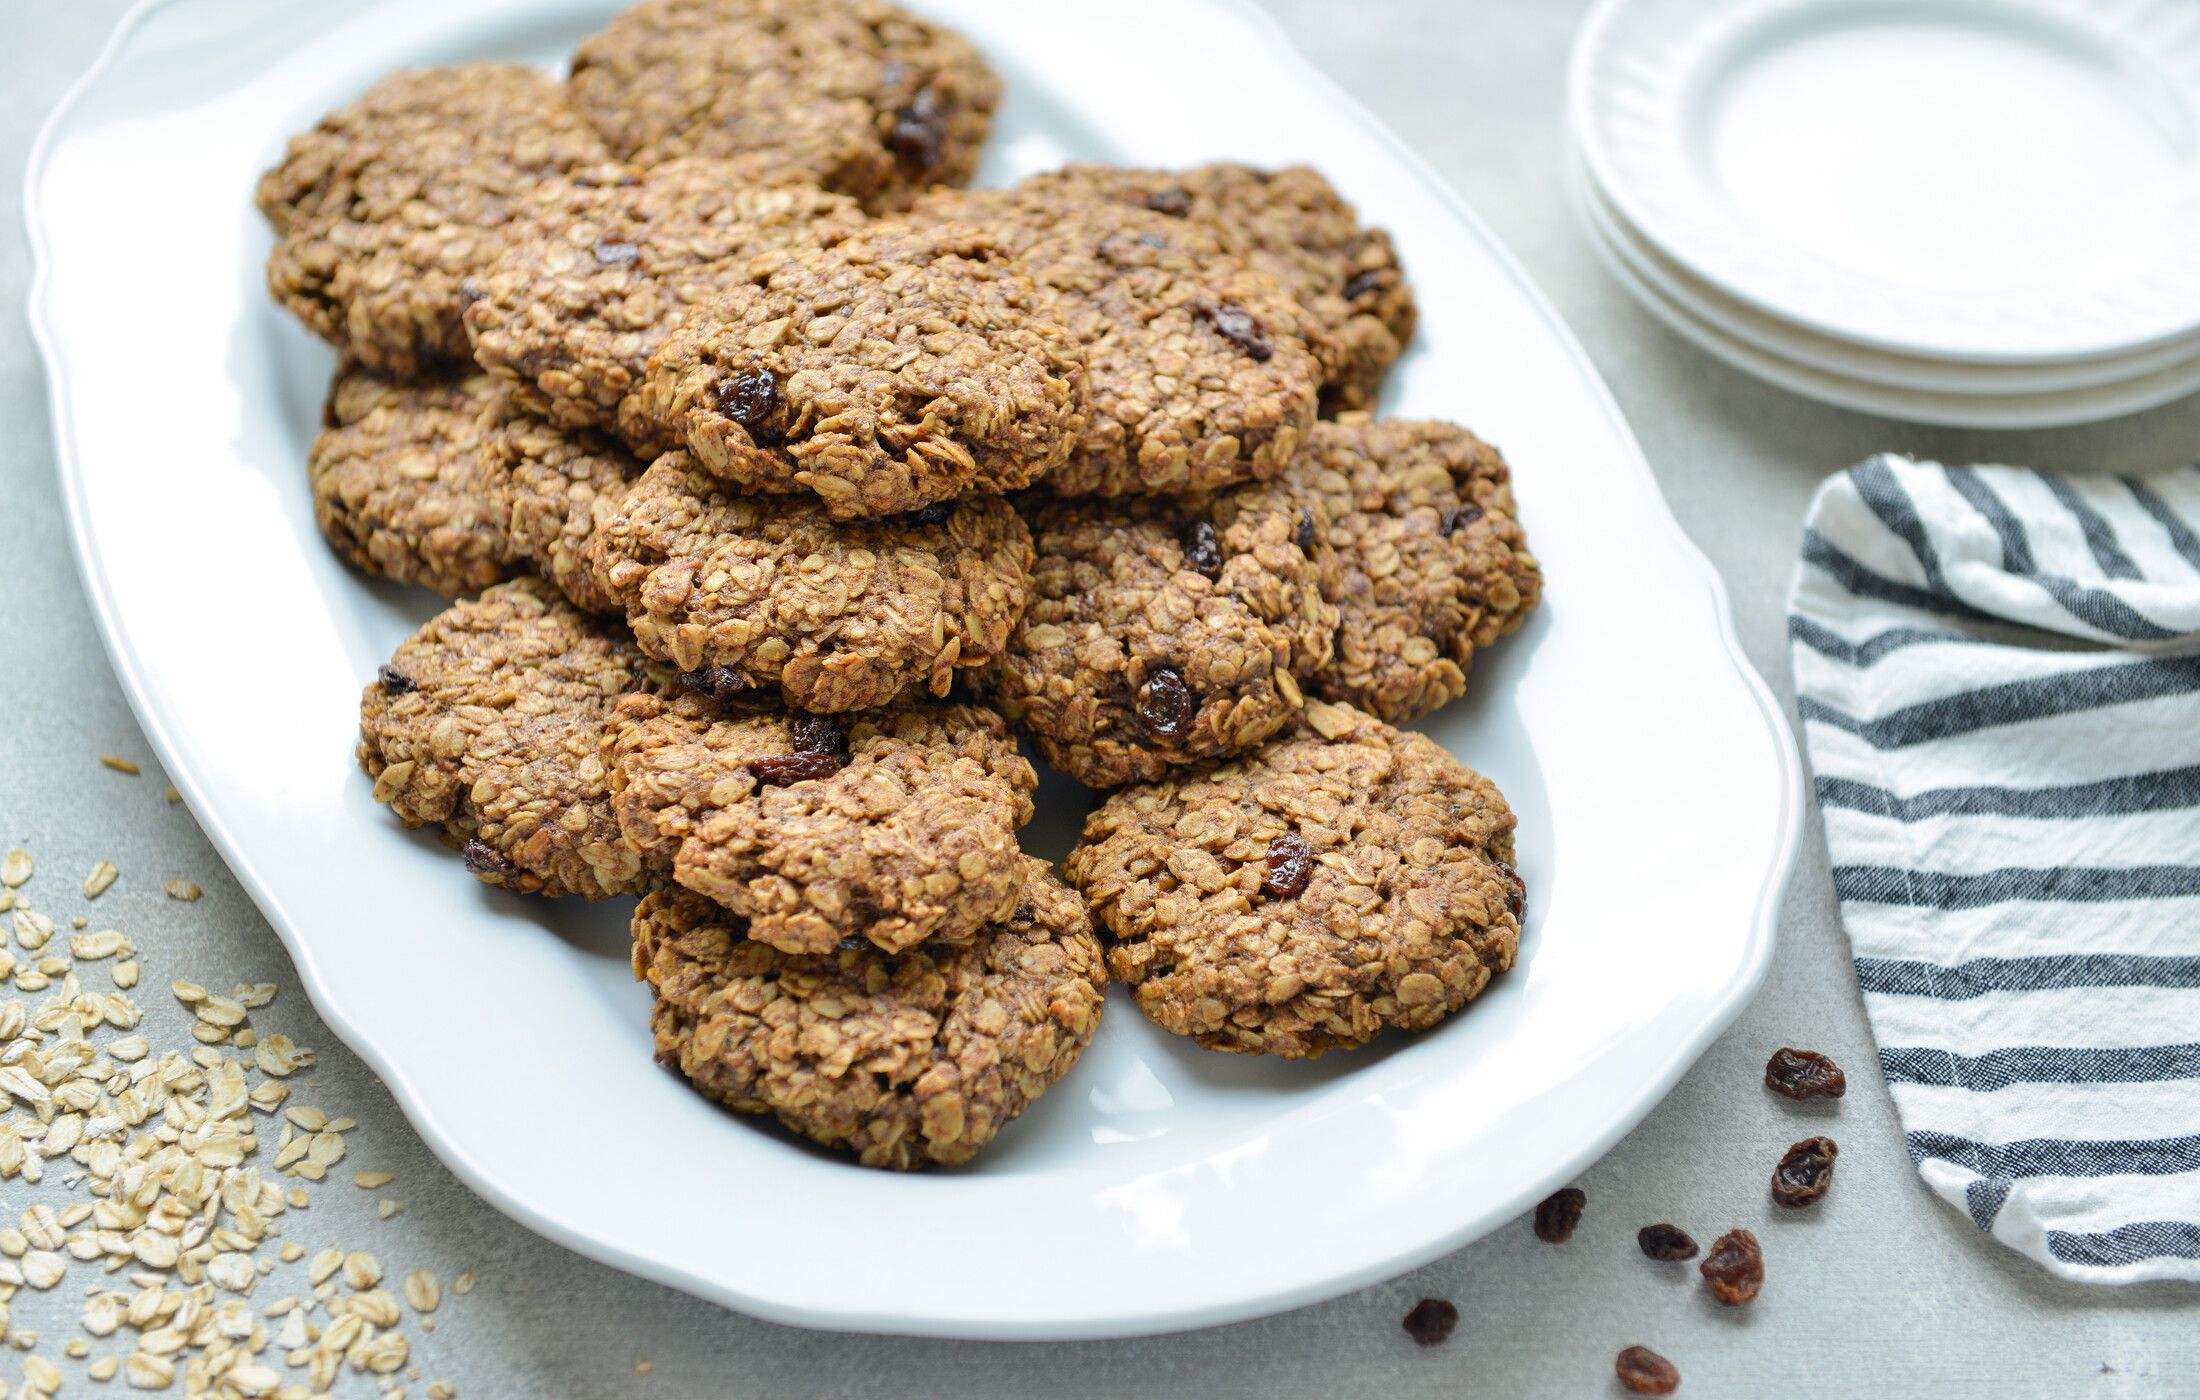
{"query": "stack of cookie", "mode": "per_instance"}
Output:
(777, 478)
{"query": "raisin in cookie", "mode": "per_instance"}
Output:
(904, 1061)
(1202, 370)
(386, 208)
(1345, 878)
(601, 270)
(857, 96)
(489, 722)
(891, 370)
(1291, 224)
(1162, 633)
(892, 825)
(1431, 561)
(400, 486)
(771, 595)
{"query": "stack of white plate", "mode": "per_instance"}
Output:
(1983, 213)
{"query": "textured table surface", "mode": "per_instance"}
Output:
(1883, 1289)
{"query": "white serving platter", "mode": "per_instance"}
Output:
(1159, 1186)
(1984, 181)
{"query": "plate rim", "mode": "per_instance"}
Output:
(1689, 242)
(1734, 995)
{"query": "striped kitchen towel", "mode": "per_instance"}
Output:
(1999, 678)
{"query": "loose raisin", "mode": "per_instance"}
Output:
(1290, 866)
(785, 770)
(751, 398)
(1236, 325)
(1174, 203)
(1165, 704)
(1805, 1171)
(825, 734)
(1804, 1074)
(394, 681)
(1202, 550)
(1431, 1322)
(1646, 1373)
(1560, 1212)
(1306, 537)
(919, 134)
(933, 514)
(1457, 518)
(1362, 283)
(486, 860)
(1666, 1242)
(616, 252)
(1735, 1268)
(720, 683)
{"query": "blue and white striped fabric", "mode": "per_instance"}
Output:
(1999, 676)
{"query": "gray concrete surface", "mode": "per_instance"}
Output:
(1882, 1291)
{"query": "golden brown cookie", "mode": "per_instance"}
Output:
(896, 368)
(488, 722)
(857, 96)
(1343, 879)
(601, 270)
(385, 209)
(1292, 225)
(1165, 633)
(770, 594)
(892, 826)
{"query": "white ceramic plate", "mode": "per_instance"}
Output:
(2008, 408)
(1752, 327)
(1160, 1186)
(1979, 180)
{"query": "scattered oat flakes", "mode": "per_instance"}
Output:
(464, 1283)
(385, 1208)
(103, 1369)
(15, 868)
(103, 874)
(422, 1292)
(643, 1368)
(183, 890)
(119, 764)
(370, 1180)
(171, 794)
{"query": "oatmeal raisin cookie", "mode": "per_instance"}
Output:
(771, 594)
(858, 96)
(385, 209)
(892, 826)
(1345, 878)
(489, 723)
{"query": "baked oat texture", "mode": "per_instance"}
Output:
(904, 1061)
(1292, 225)
(488, 722)
(831, 616)
(385, 209)
(894, 826)
(601, 270)
(400, 486)
(891, 370)
(556, 489)
(1431, 561)
(1410, 907)
(1202, 370)
(1165, 633)
(857, 96)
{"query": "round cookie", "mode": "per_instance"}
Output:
(400, 487)
(893, 826)
(600, 271)
(1343, 879)
(489, 722)
(894, 369)
(904, 1061)
(1431, 561)
(1201, 370)
(857, 96)
(388, 206)
(773, 595)
(1165, 633)
(1292, 225)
